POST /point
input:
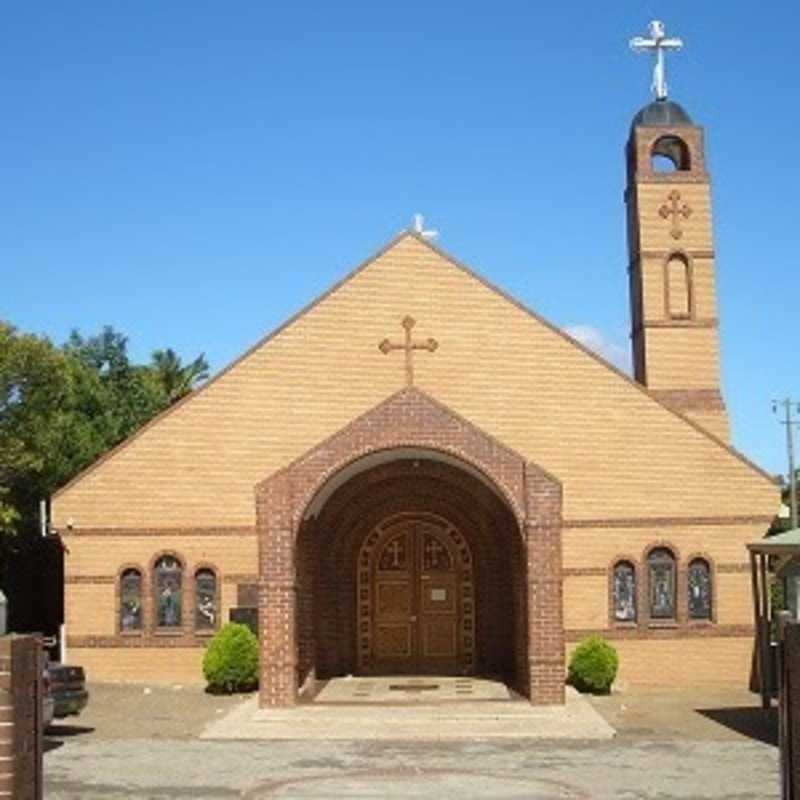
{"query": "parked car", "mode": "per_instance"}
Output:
(67, 688)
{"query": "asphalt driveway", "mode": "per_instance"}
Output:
(137, 742)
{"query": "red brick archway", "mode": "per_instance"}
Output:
(411, 419)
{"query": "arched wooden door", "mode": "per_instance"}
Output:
(416, 606)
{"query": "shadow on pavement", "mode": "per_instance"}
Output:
(55, 734)
(755, 723)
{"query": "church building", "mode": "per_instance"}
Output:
(416, 474)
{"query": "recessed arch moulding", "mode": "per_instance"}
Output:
(407, 453)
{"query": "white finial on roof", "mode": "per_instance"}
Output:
(658, 43)
(419, 228)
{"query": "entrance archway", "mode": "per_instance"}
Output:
(410, 458)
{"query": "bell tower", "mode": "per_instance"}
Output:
(674, 323)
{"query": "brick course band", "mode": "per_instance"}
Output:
(138, 640)
(657, 522)
(238, 531)
(664, 630)
(691, 399)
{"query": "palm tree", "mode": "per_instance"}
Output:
(177, 379)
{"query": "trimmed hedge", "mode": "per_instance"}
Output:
(593, 666)
(230, 663)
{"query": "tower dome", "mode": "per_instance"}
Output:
(661, 113)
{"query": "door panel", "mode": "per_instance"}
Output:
(414, 573)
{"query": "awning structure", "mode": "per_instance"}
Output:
(769, 555)
(782, 544)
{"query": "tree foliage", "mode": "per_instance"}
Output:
(63, 407)
(175, 378)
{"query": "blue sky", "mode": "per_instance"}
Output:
(193, 173)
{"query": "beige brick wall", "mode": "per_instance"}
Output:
(157, 665)
(680, 662)
(91, 608)
(585, 602)
(618, 453)
(712, 421)
(91, 555)
(656, 231)
(586, 597)
(684, 662)
(683, 358)
(597, 547)
(500, 367)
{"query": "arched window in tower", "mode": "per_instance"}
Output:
(130, 600)
(679, 287)
(623, 592)
(661, 580)
(670, 154)
(167, 585)
(699, 587)
(205, 599)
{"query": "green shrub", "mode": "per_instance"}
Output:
(230, 663)
(593, 666)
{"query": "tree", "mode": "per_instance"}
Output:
(133, 394)
(176, 379)
(63, 407)
(52, 422)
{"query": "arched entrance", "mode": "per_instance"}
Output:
(409, 474)
(416, 598)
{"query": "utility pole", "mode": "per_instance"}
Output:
(789, 406)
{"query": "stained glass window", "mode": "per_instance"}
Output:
(661, 569)
(624, 592)
(699, 590)
(167, 585)
(130, 591)
(205, 599)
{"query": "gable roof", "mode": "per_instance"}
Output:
(471, 273)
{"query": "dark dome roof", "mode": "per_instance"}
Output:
(661, 113)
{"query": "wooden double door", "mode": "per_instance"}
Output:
(416, 599)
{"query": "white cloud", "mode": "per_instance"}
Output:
(594, 339)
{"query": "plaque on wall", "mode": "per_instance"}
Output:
(246, 616)
(247, 595)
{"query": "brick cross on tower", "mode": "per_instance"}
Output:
(408, 346)
(675, 210)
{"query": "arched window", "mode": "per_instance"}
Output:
(130, 600)
(623, 592)
(205, 599)
(699, 587)
(679, 287)
(661, 579)
(167, 584)
(670, 154)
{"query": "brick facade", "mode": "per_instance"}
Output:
(295, 613)
(20, 718)
(676, 345)
(505, 401)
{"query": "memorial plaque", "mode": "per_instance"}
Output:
(246, 616)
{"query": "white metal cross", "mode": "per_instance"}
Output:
(658, 43)
(419, 227)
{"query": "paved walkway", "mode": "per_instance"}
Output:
(137, 743)
(412, 709)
